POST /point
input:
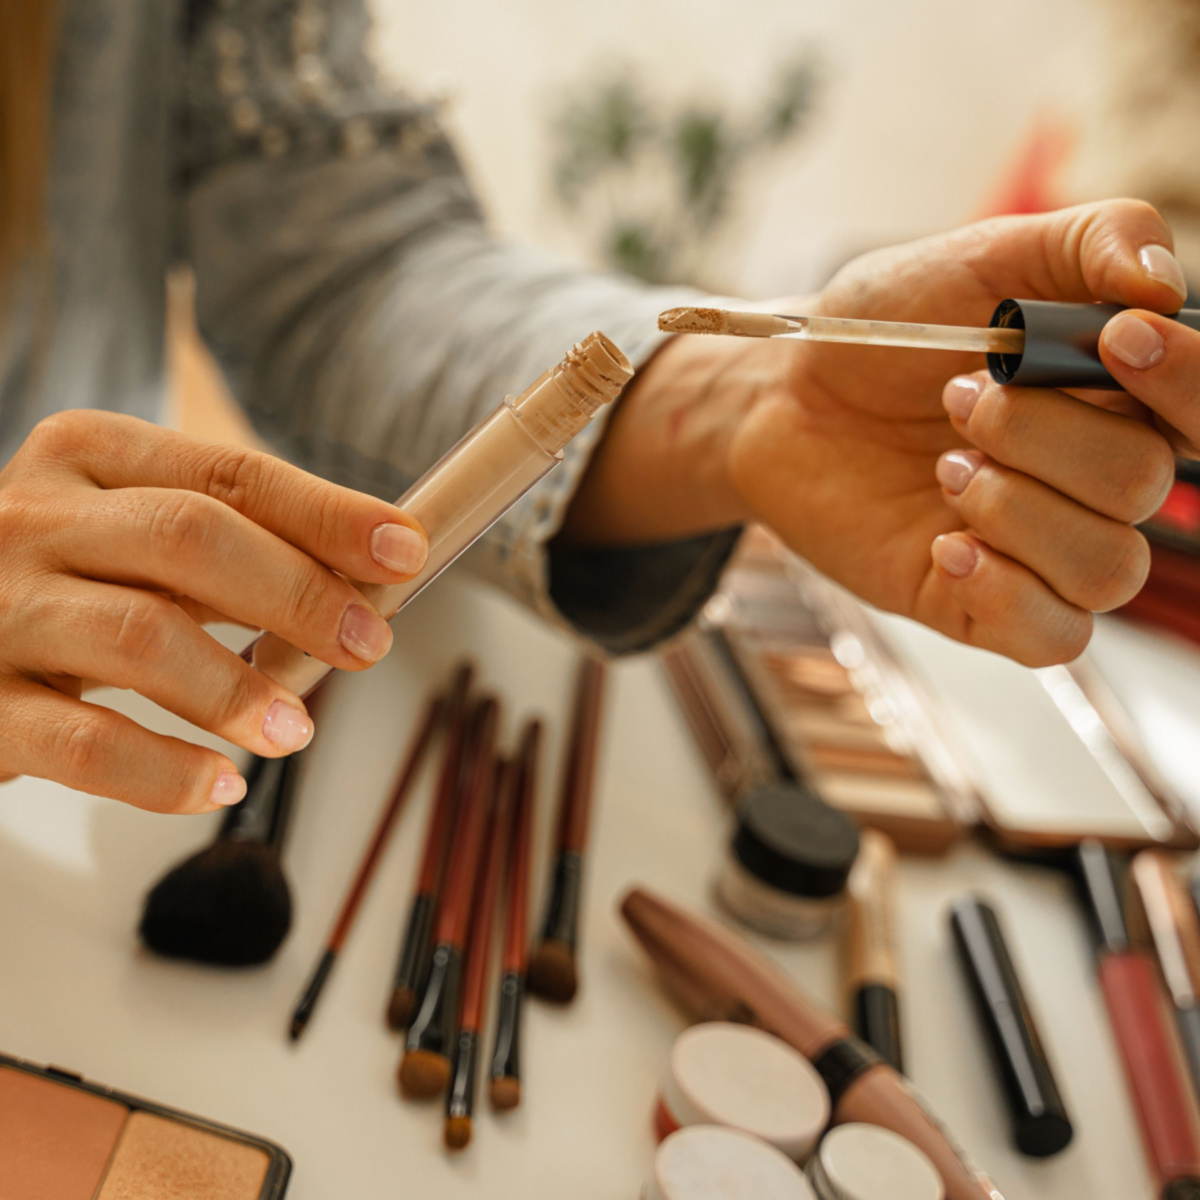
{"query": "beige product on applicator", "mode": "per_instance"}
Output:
(743, 1078)
(708, 1162)
(476, 482)
(864, 1162)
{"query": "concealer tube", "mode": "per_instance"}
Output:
(718, 977)
(871, 975)
(458, 499)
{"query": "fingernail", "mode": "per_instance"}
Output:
(229, 789)
(1133, 341)
(961, 395)
(956, 468)
(365, 634)
(399, 548)
(1163, 267)
(287, 727)
(955, 555)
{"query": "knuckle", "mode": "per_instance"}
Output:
(1146, 484)
(142, 629)
(234, 475)
(81, 748)
(182, 525)
(1002, 418)
(241, 699)
(310, 596)
(63, 434)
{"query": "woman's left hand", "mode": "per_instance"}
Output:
(1002, 517)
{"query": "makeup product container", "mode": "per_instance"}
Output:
(733, 1075)
(64, 1138)
(789, 858)
(708, 1162)
(459, 498)
(865, 1162)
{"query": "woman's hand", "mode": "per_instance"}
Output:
(999, 516)
(114, 535)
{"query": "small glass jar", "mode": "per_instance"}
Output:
(866, 1162)
(709, 1162)
(743, 1078)
(788, 862)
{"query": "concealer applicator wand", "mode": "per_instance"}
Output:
(230, 904)
(1029, 343)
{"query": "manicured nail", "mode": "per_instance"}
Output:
(955, 555)
(1133, 341)
(399, 548)
(1163, 267)
(365, 634)
(229, 789)
(956, 468)
(961, 395)
(287, 727)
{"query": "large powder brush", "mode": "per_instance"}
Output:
(230, 904)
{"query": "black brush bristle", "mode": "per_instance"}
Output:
(229, 905)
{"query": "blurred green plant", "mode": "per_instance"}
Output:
(652, 185)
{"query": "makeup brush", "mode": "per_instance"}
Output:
(366, 870)
(460, 1099)
(505, 1088)
(230, 904)
(425, 1067)
(553, 974)
(414, 948)
(718, 977)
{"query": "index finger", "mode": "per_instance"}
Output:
(1115, 251)
(359, 535)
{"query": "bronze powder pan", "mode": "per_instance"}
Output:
(63, 1138)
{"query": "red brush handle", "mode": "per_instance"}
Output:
(1152, 1064)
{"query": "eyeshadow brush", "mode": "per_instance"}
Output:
(553, 973)
(362, 880)
(460, 1099)
(505, 1088)
(717, 976)
(230, 904)
(424, 1068)
(414, 948)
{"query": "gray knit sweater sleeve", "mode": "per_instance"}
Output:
(363, 315)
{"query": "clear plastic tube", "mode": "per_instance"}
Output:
(476, 482)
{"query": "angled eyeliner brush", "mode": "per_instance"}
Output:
(505, 1087)
(366, 870)
(414, 948)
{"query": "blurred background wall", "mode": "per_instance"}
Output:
(924, 114)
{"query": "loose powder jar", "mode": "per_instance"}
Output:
(743, 1078)
(865, 1162)
(789, 859)
(707, 1162)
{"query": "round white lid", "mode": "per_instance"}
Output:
(725, 1074)
(866, 1162)
(708, 1162)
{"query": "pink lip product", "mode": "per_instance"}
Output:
(865, 1162)
(708, 1162)
(743, 1078)
(459, 498)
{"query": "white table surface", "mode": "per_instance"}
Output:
(76, 990)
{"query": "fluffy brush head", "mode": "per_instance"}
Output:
(457, 1132)
(552, 974)
(400, 1009)
(229, 905)
(424, 1075)
(505, 1092)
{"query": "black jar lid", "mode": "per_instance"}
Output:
(789, 837)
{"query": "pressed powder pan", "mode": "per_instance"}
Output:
(63, 1138)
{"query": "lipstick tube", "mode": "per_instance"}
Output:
(458, 499)
(1153, 1068)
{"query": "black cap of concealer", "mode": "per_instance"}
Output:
(1041, 1126)
(1062, 343)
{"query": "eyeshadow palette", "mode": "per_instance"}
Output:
(787, 677)
(62, 1138)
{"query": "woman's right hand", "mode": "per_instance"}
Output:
(116, 538)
